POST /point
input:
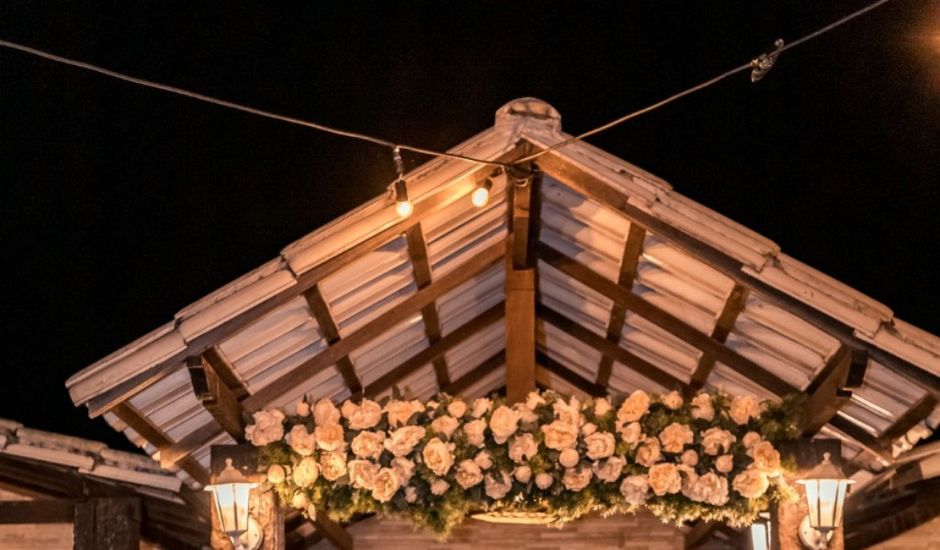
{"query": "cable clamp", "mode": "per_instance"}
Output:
(762, 64)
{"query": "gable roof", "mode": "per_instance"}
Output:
(639, 287)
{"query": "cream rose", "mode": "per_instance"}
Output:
(362, 474)
(276, 474)
(385, 484)
(481, 406)
(404, 467)
(526, 417)
(503, 423)
(362, 416)
(568, 412)
(560, 435)
(633, 408)
(672, 400)
(744, 408)
(715, 488)
(664, 479)
(588, 428)
(299, 500)
(523, 473)
(267, 428)
(632, 434)
(675, 437)
(457, 408)
(332, 465)
(523, 447)
(750, 439)
(635, 489)
(301, 441)
(724, 463)
(751, 483)
(766, 458)
(716, 441)
(438, 456)
(484, 460)
(368, 444)
(440, 486)
(648, 453)
(399, 412)
(602, 406)
(325, 412)
(576, 479)
(403, 440)
(475, 430)
(544, 481)
(411, 494)
(600, 445)
(702, 407)
(533, 400)
(302, 409)
(445, 425)
(569, 458)
(690, 458)
(497, 488)
(306, 472)
(330, 437)
(609, 470)
(468, 474)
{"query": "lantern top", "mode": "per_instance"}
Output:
(825, 470)
(230, 474)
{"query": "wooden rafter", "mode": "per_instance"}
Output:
(418, 252)
(427, 206)
(333, 532)
(832, 388)
(37, 511)
(478, 372)
(321, 312)
(734, 305)
(216, 359)
(607, 347)
(632, 250)
(869, 442)
(522, 281)
(914, 416)
(595, 188)
(216, 397)
(568, 375)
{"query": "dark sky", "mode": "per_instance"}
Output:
(119, 205)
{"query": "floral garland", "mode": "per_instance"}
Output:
(711, 458)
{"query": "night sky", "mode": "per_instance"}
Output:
(120, 205)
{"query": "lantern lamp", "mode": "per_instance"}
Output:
(230, 493)
(403, 206)
(825, 487)
(761, 533)
(481, 195)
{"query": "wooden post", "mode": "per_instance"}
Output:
(111, 522)
(264, 506)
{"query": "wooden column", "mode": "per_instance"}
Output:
(521, 281)
(264, 506)
(110, 522)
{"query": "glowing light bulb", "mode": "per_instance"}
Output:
(403, 206)
(481, 195)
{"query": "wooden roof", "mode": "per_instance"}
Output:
(638, 287)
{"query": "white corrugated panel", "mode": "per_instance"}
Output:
(557, 383)
(420, 384)
(659, 347)
(472, 298)
(574, 300)
(460, 231)
(624, 380)
(486, 385)
(724, 378)
(570, 352)
(390, 349)
(171, 405)
(474, 351)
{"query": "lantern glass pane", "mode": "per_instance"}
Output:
(828, 494)
(760, 535)
(812, 500)
(231, 500)
(840, 499)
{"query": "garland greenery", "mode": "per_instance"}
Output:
(711, 457)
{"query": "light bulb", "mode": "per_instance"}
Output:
(481, 195)
(402, 205)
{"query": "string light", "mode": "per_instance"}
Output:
(403, 205)
(481, 195)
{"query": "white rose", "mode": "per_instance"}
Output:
(306, 472)
(544, 480)
(744, 408)
(445, 425)
(362, 474)
(635, 489)
(523, 447)
(276, 474)
(299, 500)
(649, 453)
(702, 407)
(503, 423)
(330, 437)
(457, 408)
(433, 405)
(600, 445)
(576, 479)
(724, 463)
(766, 458)
(750, 439)
(362, 416)
(526, 416)
(523, 473)
(475, 430)
(570, 412)
(533, 400)
(404, 467)
(664, 479)
(468, 474)
(481, 406)
(716, 441)
(302, 409)
(385, 484)
(411, 494)
(399, 412)
(690, 458)
(588, 428)
(440, 486)
(267, 428)
(332, 465)
(633, 408)
(301, 441)
(632, 434)
(675, 437)
(602, 406)
(560, 435)
(710, 488)
(325, 412)
(569, 458)
(497, 488)
(672, 400)
(751, 483)
(609, 471)
(403, 440)
(368, 444)
(438, 456)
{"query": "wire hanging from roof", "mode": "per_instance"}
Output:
(759, 67)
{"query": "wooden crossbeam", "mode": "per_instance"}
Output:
(333, 532)
(321, 312)
(633, 248)
(869, 442)
(478, 372)
(666, 321)
(734, 305)
(226, 371)
(832, 388)
(568, 375)
(914, 416)
(37, 511)
(421, 266)
(216, 397)
(437, 349)
(607, 347)
(594, 187)
(427, 206)
(700, 533)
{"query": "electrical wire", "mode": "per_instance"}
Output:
(422, 150)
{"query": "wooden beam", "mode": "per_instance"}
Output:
(666, 321)
(914, 416)
(437, 349)
(333, 532)
(869, 442)
(607, 347)
(522, 282)
(594, 187)
(421, 267)
(734, 305)
(226, 371)
(37, 511)
(472, 377)
(700, 533)
(424, 208)
(568, 375)
(321, 312)
(633, 248)
(217, 398)
(832, 388)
